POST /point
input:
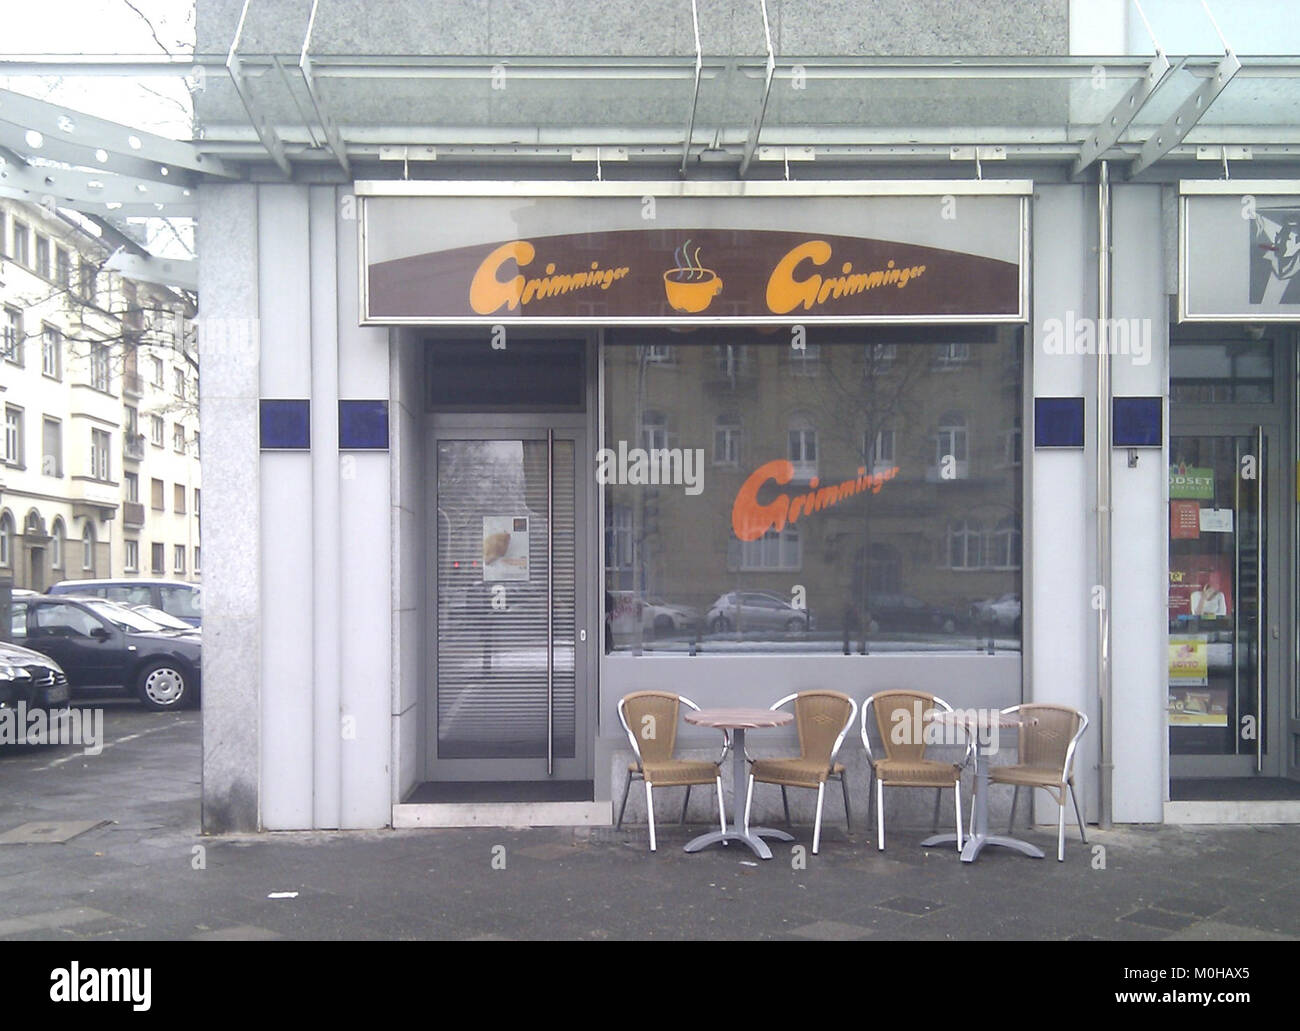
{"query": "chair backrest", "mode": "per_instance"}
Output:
(1047, 742)
(900, 719)
(822, 719)
(650, 719)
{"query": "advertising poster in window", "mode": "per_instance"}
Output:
(1200, 588)
(1192, 702)
(505, 548)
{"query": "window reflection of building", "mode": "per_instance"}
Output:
(878, 406)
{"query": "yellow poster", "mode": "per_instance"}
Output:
(1192, 702)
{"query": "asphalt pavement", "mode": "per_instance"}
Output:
(107, 847)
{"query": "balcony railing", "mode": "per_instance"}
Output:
(133, 514)
(133, 446)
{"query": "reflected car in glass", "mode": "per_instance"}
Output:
(911, 615)
(756, 610)
(1002, 613)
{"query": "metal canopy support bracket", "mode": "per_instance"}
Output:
(265, 132)
(81, 139)
(332, 138)
(695, 96)
(1189, 112)
(978, 155)
(599, 154)
(74, 188)
(181, 274)
(756, 127)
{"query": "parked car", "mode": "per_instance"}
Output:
(657, 616)
(1001, 613)
(756, 610)
(906, 613)
(165, 619)
(31, 678)
(105, 647)
(175, 597)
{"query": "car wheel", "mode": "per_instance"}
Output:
(949, 626)
(163, 685)
(664, 625)
(795, 626)
(721, 625)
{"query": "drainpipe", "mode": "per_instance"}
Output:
(1104, 682)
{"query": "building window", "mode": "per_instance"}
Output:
(951, 448)
(157, 558)
(658, 354)
(197, 567)
(1011, 443)
(964, 544)
(100, 375)
(197, 494)
(950, 356)
(654, 430)
(62, 267)
(156, 371)
(131, 557)
(156, 499)
(43, 255)
(879, 450)
(156, 430)
(731, 359)
(13, 336)
(773, 550)
(51, 352)
(197, 451)
(1003, 548)
(178, 498)
(803, 447)
(132, 485)
(178, 438)
(51, 447)
(57, 537)
(804, 361)
(618, 540)
(178, 558)
(6, 540)
(178, 382)
(726, 439)
(14, 436)
(100, 466)
(22, 244)
(88, 547)
(87, 284)
(879, 357)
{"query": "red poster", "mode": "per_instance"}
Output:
(1200, 587)
(1184, 520)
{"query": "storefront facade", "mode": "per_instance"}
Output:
(500, 441)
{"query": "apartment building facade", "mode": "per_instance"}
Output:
(99, 384)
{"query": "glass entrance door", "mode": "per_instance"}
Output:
(1223, 661)
(509, 700)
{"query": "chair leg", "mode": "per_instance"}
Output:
(1060, 830)
(650, 812)
(1075, 799)
(749, 798)
(871, 795)
(848, 816)
(685, 802)
(817, 826)
(934, 820)
(956, 796)
(880, 815)
(627, 787)
(722, 812)
(1015, 798)
(785, 804)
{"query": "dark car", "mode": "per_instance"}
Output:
(30, 678)
(904, 612)
(105, 647)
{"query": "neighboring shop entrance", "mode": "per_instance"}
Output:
(1232, 640)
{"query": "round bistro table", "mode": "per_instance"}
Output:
(739, 721)
(972, 722)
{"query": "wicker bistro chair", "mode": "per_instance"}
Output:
(1046, 760)
(655, 715)
(822, 719)
(904, 764)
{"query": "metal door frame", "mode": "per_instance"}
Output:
(574, 427)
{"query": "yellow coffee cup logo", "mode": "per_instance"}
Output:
(690, 287)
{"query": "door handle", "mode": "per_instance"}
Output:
(582, 635)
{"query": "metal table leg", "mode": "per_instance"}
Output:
(976, 842)
(737, 832)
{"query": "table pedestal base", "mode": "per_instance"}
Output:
(976, 842)
(754, 839)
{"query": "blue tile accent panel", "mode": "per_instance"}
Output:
(1058, 422)
(285, 425)
(1137, 422)
(363, 425)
